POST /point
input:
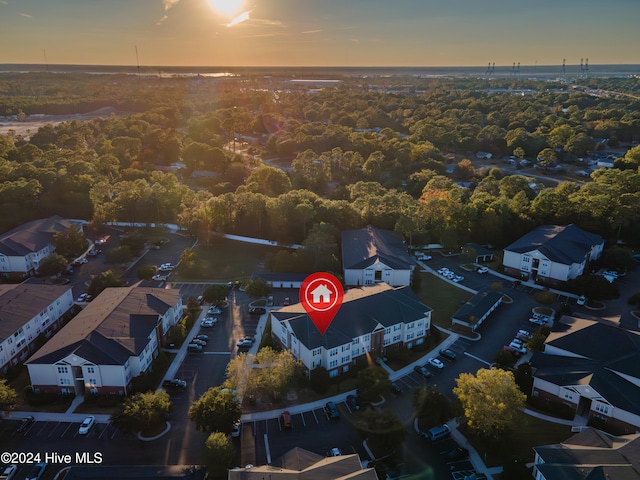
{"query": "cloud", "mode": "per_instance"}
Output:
(3, 2)
(169, 3)
(243, 17)
(311, 31)
(25, 15)
(162, 20)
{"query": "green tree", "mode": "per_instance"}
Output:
(121, 254)
(432, 406)
(215, 293)
(382, 429)
(8, 396)
(372, 382)
(135, 241)
(257, 288)
(268, 180)
(142, 411)
(188, 259)
(53, 264)
(490, 400)
(215, 411)
(146, 272)
(219, 453)
(104, 280)
(70, 242)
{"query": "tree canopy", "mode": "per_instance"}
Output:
(217, 410)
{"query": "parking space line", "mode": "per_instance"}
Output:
(268, 450)
(347, 405)
(266, 427)
(304, 424)
(104, 430)
(315, 416)
(53, 429)
(115, 430)
(65, 430)
(43, 427)
(477, 358)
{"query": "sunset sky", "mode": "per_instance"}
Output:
(319, 32)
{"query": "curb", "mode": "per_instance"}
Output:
(150, 439)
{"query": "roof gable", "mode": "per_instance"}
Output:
(362, 248)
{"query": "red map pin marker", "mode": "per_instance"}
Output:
(321, 296)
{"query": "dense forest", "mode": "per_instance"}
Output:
(261, 157)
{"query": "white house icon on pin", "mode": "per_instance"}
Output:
(321, 294)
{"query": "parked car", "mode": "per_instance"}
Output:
(482, 270)
(537, 321)
(285, 417)
(9, 472)
(257, 311)
(197, 341)
(174, 384)
(36, 471)
(523, 335)
(193, 348)
(424, 371)
(200, 299)
(331, 410)
(457, 453)
(352, 401)
(202, 337)
(518, 347)
(160, 278)
(86, 425)
(208, 322)
(396, 388)
(25, 423)
(244, 343)
(335, 452)
(581, 300)
(448, 354)
(286, 302)
(82, 297)
(511, 350)
(436, 363)
(82, 261)
(214, 311)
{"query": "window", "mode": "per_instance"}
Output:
(420, 341)
(355, 352)
(333, 353)
(345, 368)
(91, 370)
(93, 381)
(410, 326)
(420, 323)
(355, 341)
(602, 408)
(65, 381)
(317, 351)
(420, 333)
(410, 336)
(387, 330)
(367, 337)
(345, 348)
(333, 373)
(63, 369)
(345, 359)
(396, 338)
(333, 363)
(397, 327)
(526, 259)
(387, 341)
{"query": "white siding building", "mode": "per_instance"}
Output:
(371, 256)
(22, 248)
(591, 367)
(115, 338)
(552, 254)
(28, 310)
(370, 319)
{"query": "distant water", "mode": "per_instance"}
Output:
(538, 71)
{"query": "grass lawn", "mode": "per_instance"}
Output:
(529, 432)
(226, 260)
(443, 298)
(21, 382)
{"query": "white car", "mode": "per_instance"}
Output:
(537, 321)
(214, 311)
(458, 278)
(82, 260)
(243, 343)
(518, 347)
(82, 297)
(208, 322)
(86, 425)
(610, 273)
(581, 300)
(235, 430)
(9, 472)
(526, 334)
(159, 278)
(165, 267)
(335, 452)
(436, 363)
(482, 270)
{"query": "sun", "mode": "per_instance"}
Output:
(227, 7)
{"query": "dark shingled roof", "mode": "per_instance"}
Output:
(601, 360)
(361, 248)
(477, 307)
(591, 455)
(112, 328)
(363, 311)
(19, 303)
(32, 236)
(566, 244)
(301, 464)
